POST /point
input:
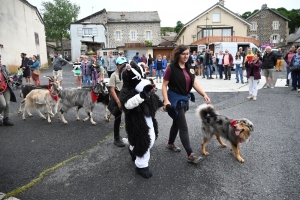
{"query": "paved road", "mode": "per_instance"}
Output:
(103, 171)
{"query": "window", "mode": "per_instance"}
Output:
(216, 17)
(226, 32)
(275, 25)
(274, 38)
(87, 31)
(66, 53)
(133, 35)
(148, 35)
(115, 53)
(118, 35)
(105, 53)
(253, 36)
(253, 26)
(36, 38)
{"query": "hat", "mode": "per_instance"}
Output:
(121, 60)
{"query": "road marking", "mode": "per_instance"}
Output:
(280, 82)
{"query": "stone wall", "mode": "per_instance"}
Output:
(125, 29)
(264, 20)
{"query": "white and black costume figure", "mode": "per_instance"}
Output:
(139, 103)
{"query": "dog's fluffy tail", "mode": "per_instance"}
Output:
(204, 110)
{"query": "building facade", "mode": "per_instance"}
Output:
(130, 32)
(22, 31)
(216, 21)
(269, 27)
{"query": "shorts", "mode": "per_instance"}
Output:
(101, 70)
(268, 72)
(58, 75)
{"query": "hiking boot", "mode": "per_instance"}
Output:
(173, 147)
(7, 122)
(193, 158)
(144, 172)
(119, 143)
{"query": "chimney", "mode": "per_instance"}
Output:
(122, 16)
(264, 6)
(222, 2)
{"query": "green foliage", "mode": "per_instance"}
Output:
(247, 14)
(148, 43)
(178, 26)
(57, 17)
(163, 30)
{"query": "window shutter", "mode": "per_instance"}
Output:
(79, 31)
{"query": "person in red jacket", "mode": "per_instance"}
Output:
(253, 76)
(227, 64)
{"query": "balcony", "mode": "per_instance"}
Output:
(211, 39)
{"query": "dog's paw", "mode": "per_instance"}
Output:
(240, 159)
(205, 153)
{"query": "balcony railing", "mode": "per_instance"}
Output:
(211, 39)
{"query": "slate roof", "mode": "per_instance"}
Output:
(271, 11)
(143, 16)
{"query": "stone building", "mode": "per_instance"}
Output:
(128, 31)
(269, 27)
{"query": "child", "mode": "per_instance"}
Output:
(77, 72)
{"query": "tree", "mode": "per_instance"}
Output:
(178, 26)
(57, 17)
(247, 14)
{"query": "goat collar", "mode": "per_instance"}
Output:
(94, 96)
(55, 97)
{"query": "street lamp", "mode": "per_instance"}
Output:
(206, 25)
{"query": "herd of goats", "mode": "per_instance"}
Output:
(51, 96)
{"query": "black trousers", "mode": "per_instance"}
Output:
(227, 71)
(181, 125)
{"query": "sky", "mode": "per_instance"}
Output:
(171, 11)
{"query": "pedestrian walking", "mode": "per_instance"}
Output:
(269, 61)
(288, 58)
(35, 70)
(227, 63)
(57, 65)
(253, 76)
(180, 79)
(6, 95)
(25, 67)
(115, 105)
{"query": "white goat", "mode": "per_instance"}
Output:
(41, 98)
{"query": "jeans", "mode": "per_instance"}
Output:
(209, 71)
(227, 71)
(158, 73)
(4, 103)
(239, 69)
(220, 67)
(181, 125)
(296, 79)
(287, 74)
(150, 68)
(86, 79)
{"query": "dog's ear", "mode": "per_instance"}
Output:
(248, 123)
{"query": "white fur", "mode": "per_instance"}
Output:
(201, 107)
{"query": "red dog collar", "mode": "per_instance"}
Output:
(94, 96)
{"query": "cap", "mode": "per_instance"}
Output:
(121, 60)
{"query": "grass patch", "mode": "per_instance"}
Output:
(34, 181)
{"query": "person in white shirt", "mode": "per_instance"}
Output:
(238, 62)
(219, 64)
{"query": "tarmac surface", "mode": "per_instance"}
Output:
(93, 168)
